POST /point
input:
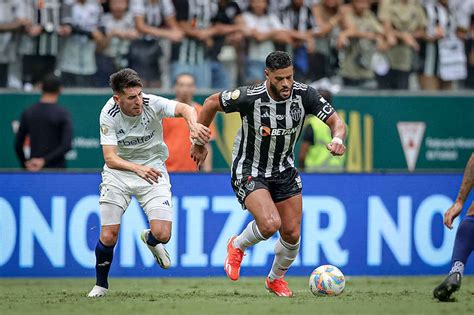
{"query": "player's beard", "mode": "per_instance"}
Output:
(275, 91)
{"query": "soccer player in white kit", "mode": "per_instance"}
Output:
(131, 136)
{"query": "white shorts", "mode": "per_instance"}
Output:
(118, 187)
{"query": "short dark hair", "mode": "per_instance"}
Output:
(278, 60)
(51, 84)
(123, 79)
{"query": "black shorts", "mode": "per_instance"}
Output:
(281, 187)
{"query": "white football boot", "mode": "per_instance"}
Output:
(159, 251)
(97, 292)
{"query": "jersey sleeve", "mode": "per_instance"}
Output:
(233, 101)
(107, 129)
(163, 107)
(182, 10)
(137, 7)
(315, 104)
(168, 9)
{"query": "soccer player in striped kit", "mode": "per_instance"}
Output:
(264, 177)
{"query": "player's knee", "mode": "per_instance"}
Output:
(291, 237)
(109, 238)
(162, 235)
(270, 226)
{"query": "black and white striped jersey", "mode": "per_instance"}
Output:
(264, 145)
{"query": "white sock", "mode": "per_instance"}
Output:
(250, 236)
(285, 254)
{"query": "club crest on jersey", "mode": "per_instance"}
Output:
(235, 94)
(295, 111)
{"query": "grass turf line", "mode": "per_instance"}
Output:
(363, 295)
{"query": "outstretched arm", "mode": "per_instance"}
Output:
(209, 109)
(338, 132)
(464, 190)
(198, 132)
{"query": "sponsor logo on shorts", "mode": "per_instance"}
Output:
(167, 203)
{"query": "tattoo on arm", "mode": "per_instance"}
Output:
(467, 181)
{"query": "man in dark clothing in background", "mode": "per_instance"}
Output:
(49, 128)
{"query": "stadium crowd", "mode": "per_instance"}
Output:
(385, 44)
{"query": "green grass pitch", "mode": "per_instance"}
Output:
(168, 296)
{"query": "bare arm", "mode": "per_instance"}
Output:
(209, 109)
(198, 132)
(207, 164)
(464, 190)
(338, 131)
(112, 160)
(172, 33)
(304, 147)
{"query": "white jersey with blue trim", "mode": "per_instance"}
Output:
(138, 139)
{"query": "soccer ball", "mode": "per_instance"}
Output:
(327, 280)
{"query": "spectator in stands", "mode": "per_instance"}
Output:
(362, 35)
(40, 43)
(274, 6)
(463, 11)
(227, 28)
(314, 156)
(328, 16)
(10, 23)
(77, 64)
(404, 23)
(176, 131)
(119, 29)
(49, 129)
(298, 19)
(262, 30)
(442, 53)
(156, 21)
(191, 54)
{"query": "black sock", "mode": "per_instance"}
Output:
(463, 244)
(151, 240)
(103, 256)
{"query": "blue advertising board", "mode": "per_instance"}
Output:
(367, 224)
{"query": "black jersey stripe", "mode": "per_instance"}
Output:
(281, 109)
(250, 147)
(240, 141)
(115, 112)
(112, 109)
(261, 159)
